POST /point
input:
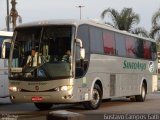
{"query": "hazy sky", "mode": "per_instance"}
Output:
(33, 10)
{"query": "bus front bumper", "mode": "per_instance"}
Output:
(45, 97)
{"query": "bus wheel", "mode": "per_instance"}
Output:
(97, 99)
(43, 106)
(142, 96)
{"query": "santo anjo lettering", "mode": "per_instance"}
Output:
(134, 65)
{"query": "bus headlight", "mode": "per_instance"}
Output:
(14, 89)
(64, 88)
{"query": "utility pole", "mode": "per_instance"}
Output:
(80, 8)
(14, 14)
(8, 17)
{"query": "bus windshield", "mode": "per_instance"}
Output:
(42, 52)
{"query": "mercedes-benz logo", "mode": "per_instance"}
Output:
(36, 88)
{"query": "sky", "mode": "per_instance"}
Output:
(34, 10)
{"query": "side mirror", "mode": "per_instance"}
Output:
(82, 53)
(80, 42)
(82, 50)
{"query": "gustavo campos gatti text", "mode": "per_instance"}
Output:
(131, 116)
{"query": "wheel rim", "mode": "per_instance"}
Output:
(143, 92)
(96, 97)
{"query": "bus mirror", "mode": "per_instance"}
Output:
(80, 42)
(82, 50)
(82, 53)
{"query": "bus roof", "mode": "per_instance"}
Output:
(6, 33)
(80, 22)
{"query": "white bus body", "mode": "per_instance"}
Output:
(104, 63)
(5, 38)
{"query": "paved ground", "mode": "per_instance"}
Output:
(117, 106)
(108, 109)
(159, 85)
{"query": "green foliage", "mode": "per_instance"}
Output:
(155, 30)
(125, 20)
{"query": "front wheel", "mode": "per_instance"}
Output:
(43, 106)
(142, 96)
(96, 100)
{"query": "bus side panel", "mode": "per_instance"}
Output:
(124, 76)
(85, 86)
(127, 84)
(4, 81)
(154, 83)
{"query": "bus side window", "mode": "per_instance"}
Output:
(82, 65)
(15, 53)
(109, 42)
(153, 51)
(8, 46)
(147, 49)
(5, 50)
(139, 49)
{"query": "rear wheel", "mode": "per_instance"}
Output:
(43, 106)
(96, 100)
(142, 96)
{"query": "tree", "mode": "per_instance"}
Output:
(141, 32)
(156, 18)
(155, 30)
(123, 20)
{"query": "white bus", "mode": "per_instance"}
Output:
(103, 63)
(5, 40)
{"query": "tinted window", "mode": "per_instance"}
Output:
(147, 49)
(83, 34)
(8, 45)
(109, 42)
(153, 51)
(120, 44)
(116, 43)
(130, 47)
(139, 48)
(81, 67)
(96, 40)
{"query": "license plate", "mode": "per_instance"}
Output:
(37, 98)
